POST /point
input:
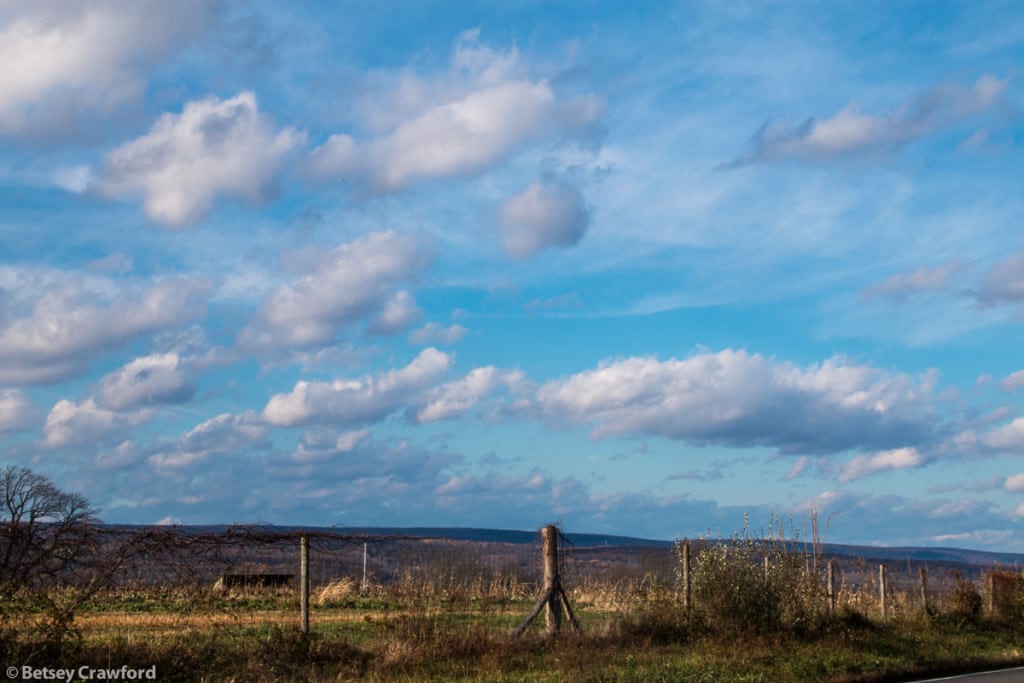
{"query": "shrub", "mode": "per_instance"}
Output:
(965, 600)
(735, 589)
(1007, 593)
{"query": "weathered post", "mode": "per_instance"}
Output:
(362, 586)
(830, 586)
(924, 589)
(554, 600)
(686, 575)
(553, 609)
(304, 583)
(767, 568)
(881, 591)
(990, 598)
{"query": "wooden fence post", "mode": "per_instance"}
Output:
(830, 587)
(767, 567)
(924, 589)
(552, 609)
(990, 581)
(686, 576)
(362, 586)
(881, 591)
(554, 599)
(304, 583)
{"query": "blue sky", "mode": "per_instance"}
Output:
(640, 269)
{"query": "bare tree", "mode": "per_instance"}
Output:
(45, 533)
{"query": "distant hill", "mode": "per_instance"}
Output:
(581, 540)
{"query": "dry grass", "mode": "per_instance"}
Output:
(448, 617)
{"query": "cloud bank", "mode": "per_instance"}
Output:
(741, 399)
(852, 131)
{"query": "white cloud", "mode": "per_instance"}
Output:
(1007, 437)
(741, 399)
(69, 58)
(798, 467)
(351, 401)
(853, 132)
(1019, 511)
(158, 378)
(214, 148)
(435, 333)
(458, 397)
(1014, 380)
(17, 412)
(75, 179)
(550, 214)
(168, 521)
(1015, 484)
(398, 314)
(354, 281)
(1004, 281)
(67, 326)
(921, 281)
(225, 433)
(122, 456)
(868, 464)
(316, 447)
(71, 423)
(482, 122)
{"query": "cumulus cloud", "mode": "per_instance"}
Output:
(225, 433)
(398, 314)
(122, 456)
(852, 131)
(71, 423)
(67, 326)
(1007, 437)
(318, 447)
(17, 412)
(549, 214)
(352, 401)
(1014, 380)
(493, 115)
(1004, 281)
(158, 378)
(741, 399)
(922, 281)
(81, 57)
(457, 398)
(435, 333)
(868, 464)
(354, 281)
(1015, 484)
(214, 148)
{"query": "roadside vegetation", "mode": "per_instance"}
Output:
(757, 609)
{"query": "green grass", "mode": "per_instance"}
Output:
(419, 640)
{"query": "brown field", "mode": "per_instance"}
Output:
(444, 610)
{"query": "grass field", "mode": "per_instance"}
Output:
(758, 611)
(386, 635)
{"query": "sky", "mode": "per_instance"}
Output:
(635, 268)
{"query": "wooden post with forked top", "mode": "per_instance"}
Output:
(554, 600)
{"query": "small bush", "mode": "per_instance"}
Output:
(735, 590)
(965, 600)
(1008, 594)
